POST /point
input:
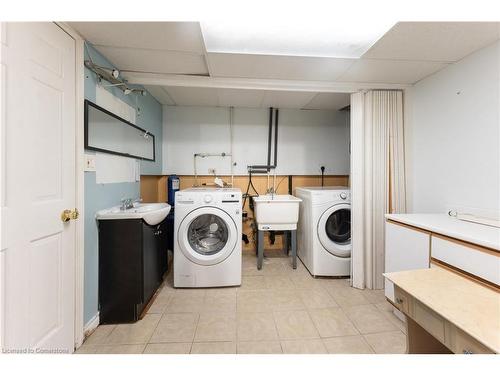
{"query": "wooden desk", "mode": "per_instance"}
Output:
(446, 312)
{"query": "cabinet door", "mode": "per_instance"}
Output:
(162, 243)
(473, 259)
(405, 249)
(120, 270)
(151, 270)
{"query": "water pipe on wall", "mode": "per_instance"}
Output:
(231, 120)
(267, 168)
(205, 155)
(223, 154)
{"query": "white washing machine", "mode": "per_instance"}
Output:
(207, 238)
(324, 230)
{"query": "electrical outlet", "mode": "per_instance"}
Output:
(89, 163)
(211, 171)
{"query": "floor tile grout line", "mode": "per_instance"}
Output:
(371, 304)
(312, 321)
(370, 345)
(153, 331)
(195, 330)
(296, 290)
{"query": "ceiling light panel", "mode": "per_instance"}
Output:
(322, 36)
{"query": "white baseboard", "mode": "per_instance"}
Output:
(90, 326)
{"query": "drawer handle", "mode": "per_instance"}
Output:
(467, 351)
(399, 300)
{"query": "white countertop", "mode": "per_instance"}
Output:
(446, 225)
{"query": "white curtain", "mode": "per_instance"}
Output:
(377, 179)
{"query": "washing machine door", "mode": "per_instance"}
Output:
(207, 236)
(334, 230)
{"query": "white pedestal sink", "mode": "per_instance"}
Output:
(151, 213)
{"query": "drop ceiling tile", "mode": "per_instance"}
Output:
(277, 67)
(193, 96)
(240, 98)
(160, 94)
(287, 99)
(327, 100)
(155, 61)
(173, 36)
(434, 41)
(390, 71)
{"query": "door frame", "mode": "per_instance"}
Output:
(80, 184)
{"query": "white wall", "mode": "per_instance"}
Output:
(306, 140)
(453, 137)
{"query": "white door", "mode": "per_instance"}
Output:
(38, 172)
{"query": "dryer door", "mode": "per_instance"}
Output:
(207, 236)
(334, 230)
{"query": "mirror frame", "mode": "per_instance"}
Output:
(125, 122)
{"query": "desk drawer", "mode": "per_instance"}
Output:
(462, 343)
(401, 300)
(429, 320)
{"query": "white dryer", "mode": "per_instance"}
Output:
(207, 238)
(324, 230)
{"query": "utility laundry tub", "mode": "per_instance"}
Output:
(277, 212)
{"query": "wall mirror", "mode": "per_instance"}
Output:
(107, 132)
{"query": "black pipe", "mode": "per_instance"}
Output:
(276, 137)
(269, 137)
(290, 185)
(256, 169)
(322, 175)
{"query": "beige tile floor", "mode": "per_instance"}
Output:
(276, 310)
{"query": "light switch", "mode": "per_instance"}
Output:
(89, 163)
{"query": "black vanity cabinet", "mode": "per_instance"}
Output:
(132, 262)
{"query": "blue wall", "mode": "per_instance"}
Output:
(100, 196)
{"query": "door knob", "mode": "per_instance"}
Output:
(68, 215)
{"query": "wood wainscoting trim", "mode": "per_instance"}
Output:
(154, 189)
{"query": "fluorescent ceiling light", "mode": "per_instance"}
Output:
(322, 36)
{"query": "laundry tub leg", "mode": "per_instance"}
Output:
(260, 248)
(294, 249)
(285, 242)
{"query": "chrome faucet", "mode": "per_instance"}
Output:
(128, 203)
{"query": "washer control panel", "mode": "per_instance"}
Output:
(210, 197)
